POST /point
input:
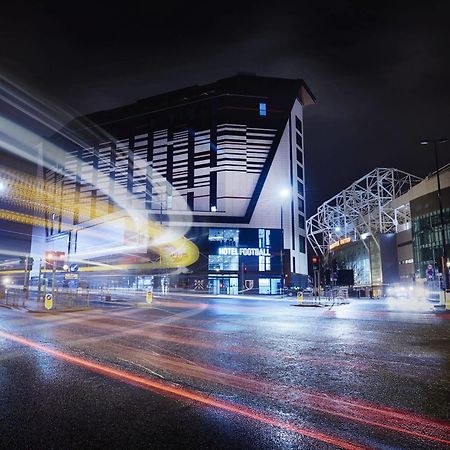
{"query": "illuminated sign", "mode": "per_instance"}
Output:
(340, 242)
(71, 276)
(243, 251)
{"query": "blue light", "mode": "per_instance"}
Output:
(262, 109)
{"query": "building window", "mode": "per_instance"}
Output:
(301, 205)
(300, 188)
(301, 221)
(262, 109)
(299, 140)
(222, 262)
(264, 263)
(228, 237)
(299, 156)
(299, 125)
(300, 172)
(263, 238)
(302, 244)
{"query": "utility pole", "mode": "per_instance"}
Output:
(283, 194)
(39, 281)
(25, 282)
(281, 251)
(53, 276)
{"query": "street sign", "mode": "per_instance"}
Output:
(73, 267)
(149, 297)
(48, 301)
(71, 276)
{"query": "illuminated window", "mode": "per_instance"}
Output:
(227, 237)
(222, 262)
(262, 109)
(263, 238)
(264, 263)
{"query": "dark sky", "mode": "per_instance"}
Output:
(380, 70)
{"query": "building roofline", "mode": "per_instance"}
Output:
(185, 96)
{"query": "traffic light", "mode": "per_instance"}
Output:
(315, 262)
(54, 260)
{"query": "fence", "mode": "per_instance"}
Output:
(33, 298)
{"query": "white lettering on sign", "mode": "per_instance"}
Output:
(340, 242)
(243, 251)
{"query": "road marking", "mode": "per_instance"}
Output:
(143, 367)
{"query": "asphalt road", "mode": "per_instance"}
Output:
(223, 373)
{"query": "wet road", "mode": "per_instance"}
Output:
(192, 372)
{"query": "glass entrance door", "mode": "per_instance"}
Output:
(223, 285)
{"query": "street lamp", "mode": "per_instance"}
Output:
(444, 251)
(167, 204)
(284, 193)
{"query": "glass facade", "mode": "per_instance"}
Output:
(364, 261)
(427, 241)
(227, 237)
(238, 259)
(222, 262)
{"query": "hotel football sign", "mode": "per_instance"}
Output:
(243, 251)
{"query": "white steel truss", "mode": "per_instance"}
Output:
(362, 209)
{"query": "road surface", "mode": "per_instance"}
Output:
(225, 373)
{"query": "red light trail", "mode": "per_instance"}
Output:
(180, 392)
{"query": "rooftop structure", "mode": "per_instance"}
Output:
(364, 208)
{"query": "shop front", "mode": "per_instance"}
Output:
(240, 260)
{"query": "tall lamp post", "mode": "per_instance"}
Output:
(164, 274)
(444, 251)
(284, 193)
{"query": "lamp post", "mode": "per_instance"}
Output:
(167, 205)
(284, 193)
(445, 279)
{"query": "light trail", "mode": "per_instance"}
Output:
(363, 412)
(185, 394)
(38, 198)
(368, 414)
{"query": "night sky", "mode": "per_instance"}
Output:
(380, 70)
